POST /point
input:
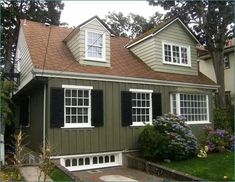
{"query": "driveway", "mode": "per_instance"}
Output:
(116, 174)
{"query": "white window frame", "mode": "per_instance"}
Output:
(180, 46)
(103, 57)
(78, 125)
(150, 110)
(178, 112)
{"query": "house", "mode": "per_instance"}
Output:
(88, 93)
(206, 67)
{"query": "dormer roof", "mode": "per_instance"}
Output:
(157, 29)
(76, 30)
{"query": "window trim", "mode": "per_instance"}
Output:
(78, 125)
(103, 59)
(226, 56)
(178, 108)
(150, 105)
(180, 46)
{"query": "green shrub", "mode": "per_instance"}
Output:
(224, 118)
(168, 138)
(151, 141)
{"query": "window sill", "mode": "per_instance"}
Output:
(184, 65)
(197, 122)
(140, 125)
(95, 59)
(77, 127)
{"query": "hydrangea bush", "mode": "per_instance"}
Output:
(177, 140)
(219, 140)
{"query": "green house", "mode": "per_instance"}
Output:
(88, 93)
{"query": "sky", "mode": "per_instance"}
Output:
(76, 12)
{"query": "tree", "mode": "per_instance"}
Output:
(212, 22)
(11, 13)
(131, 25)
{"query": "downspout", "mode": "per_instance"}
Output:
(44, 120)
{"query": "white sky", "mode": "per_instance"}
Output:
(76, 12)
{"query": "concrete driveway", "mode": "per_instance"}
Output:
(115, 174)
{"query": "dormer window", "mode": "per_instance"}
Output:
(176, 54)
(95, 46)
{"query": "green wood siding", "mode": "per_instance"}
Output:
(33, 133)
(150, 50)
(77, 44)
(112, 136)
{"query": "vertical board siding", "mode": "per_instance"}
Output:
(77, 44)
(112, 136)
(150, 50)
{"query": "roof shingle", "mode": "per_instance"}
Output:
(123, 62)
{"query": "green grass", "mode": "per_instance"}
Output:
(214, 167)
(58, 175)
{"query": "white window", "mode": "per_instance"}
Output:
(141, 107)
(176, 54)
(194, 107)
(95, 46)
(77, 106)
(226, 62)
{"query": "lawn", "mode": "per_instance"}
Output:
(58, 175)
(215, 167)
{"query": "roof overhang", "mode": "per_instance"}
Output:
(121, 79)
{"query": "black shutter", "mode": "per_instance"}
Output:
(24, 111)
(97, 112)
(126, 108)
(57, 107)
(156, 105)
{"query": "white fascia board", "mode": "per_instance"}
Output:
(77, 87)
(141, 90)
(153, 34)
(120, 79)
(138, 41)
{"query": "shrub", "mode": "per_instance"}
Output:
(219, 140)
(169, 138)
(224, 118)
(151, 141)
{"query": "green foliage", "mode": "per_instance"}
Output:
(169, 138)
(57, 175)
(151, 142)
(7, 104)
(224, 118)
(131, 25)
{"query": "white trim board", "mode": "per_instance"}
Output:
(120, 79)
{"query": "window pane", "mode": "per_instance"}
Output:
(74, 162)
(80, 161)
(106, 159)
(100, 159)
(94, 160)
(67, 163)
(67, 93)
(87, 161)
(112, 158)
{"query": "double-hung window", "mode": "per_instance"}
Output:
(95, 46)
(77, 106)
(176, 54)
(141, 107)
(194, 107)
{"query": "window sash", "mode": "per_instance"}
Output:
(95, 45)
(72, 115)
(176, 54)
(194, 107)
(141, 107)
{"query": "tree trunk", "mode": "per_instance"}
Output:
(218, 62)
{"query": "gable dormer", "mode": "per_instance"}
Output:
(169, 47)
(90, 43)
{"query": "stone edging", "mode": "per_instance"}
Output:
(157, 169)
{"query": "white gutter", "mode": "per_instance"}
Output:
(44, 119)
(120, 79)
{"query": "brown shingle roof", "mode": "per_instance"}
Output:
(123, 62)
